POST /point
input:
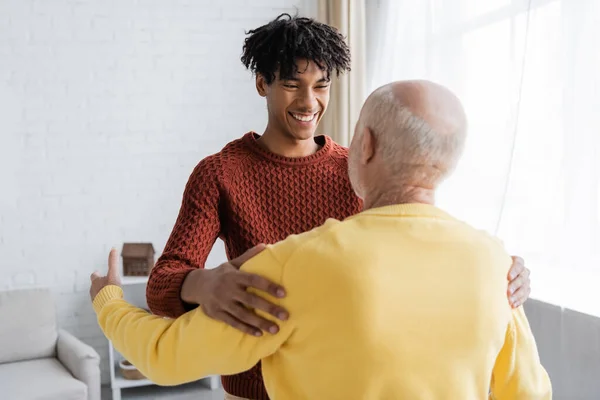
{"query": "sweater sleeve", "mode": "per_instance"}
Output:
(193, 236)
(518, 373)
(176, 351)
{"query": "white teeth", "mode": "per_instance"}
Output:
(303, 118)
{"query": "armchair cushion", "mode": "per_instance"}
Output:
(42, 379)
(28, 328)
(81, 360)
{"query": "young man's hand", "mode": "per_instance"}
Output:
(519, 286)
(222, 294)
(111, 278)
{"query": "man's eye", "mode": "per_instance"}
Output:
(323, 87)
(291, 86)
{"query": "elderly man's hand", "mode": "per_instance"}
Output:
(519, 286)
(111, 278)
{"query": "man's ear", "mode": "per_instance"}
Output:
(368, 146)
(261, 85)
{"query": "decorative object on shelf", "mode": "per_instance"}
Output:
(129, 371)
(138, 259)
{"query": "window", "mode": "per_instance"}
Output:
(529, 79)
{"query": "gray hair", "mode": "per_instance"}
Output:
(408, 144)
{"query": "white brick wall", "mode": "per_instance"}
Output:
(105, 108)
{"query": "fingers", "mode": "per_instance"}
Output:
(517, 268)
(113, 265)
(237, 324)
(238, 262)
(520, 296)
(516, 284)
(113, 259)
(95, 275)
(260, 283)
(258, 303)
(519, 287)
(251, 319)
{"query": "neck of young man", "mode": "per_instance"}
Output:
(279, 143)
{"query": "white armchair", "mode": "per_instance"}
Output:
(37, 360)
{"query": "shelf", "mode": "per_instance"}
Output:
(134, 280)
(123, 383)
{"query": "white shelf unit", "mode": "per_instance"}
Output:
(117, 381)
(133, 280)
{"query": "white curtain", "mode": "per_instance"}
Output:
(349, 91)
(528, 73)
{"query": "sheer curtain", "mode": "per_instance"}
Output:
(349, 91)
(528, 72)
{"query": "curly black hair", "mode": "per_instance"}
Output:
(277, 45)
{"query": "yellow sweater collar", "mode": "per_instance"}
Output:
(409, 210)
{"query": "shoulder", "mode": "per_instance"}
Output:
(235, 150)
(302, 243)
(310, 263)
(271, 262)
(481, 237)
(339, 152)
(232, 152)
(482, 245)
(214, 165)
(496, 247)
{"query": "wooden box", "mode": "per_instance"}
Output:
(138, 259)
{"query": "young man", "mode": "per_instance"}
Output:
(263, 188)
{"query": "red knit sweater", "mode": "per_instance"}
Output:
(246, 195)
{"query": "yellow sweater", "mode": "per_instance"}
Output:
(400, 302)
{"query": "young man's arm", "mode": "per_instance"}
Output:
(171, 352)
(193, 236)
(179, 282)
(518, 373)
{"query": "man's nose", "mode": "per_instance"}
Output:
(308, 101)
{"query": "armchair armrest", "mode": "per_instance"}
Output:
(81, 360)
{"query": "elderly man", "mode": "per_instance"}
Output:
(401, 301)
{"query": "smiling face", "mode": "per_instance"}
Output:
(297, 103)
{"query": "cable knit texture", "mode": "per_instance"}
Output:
(246, 195)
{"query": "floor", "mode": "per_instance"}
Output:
(192, 391)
